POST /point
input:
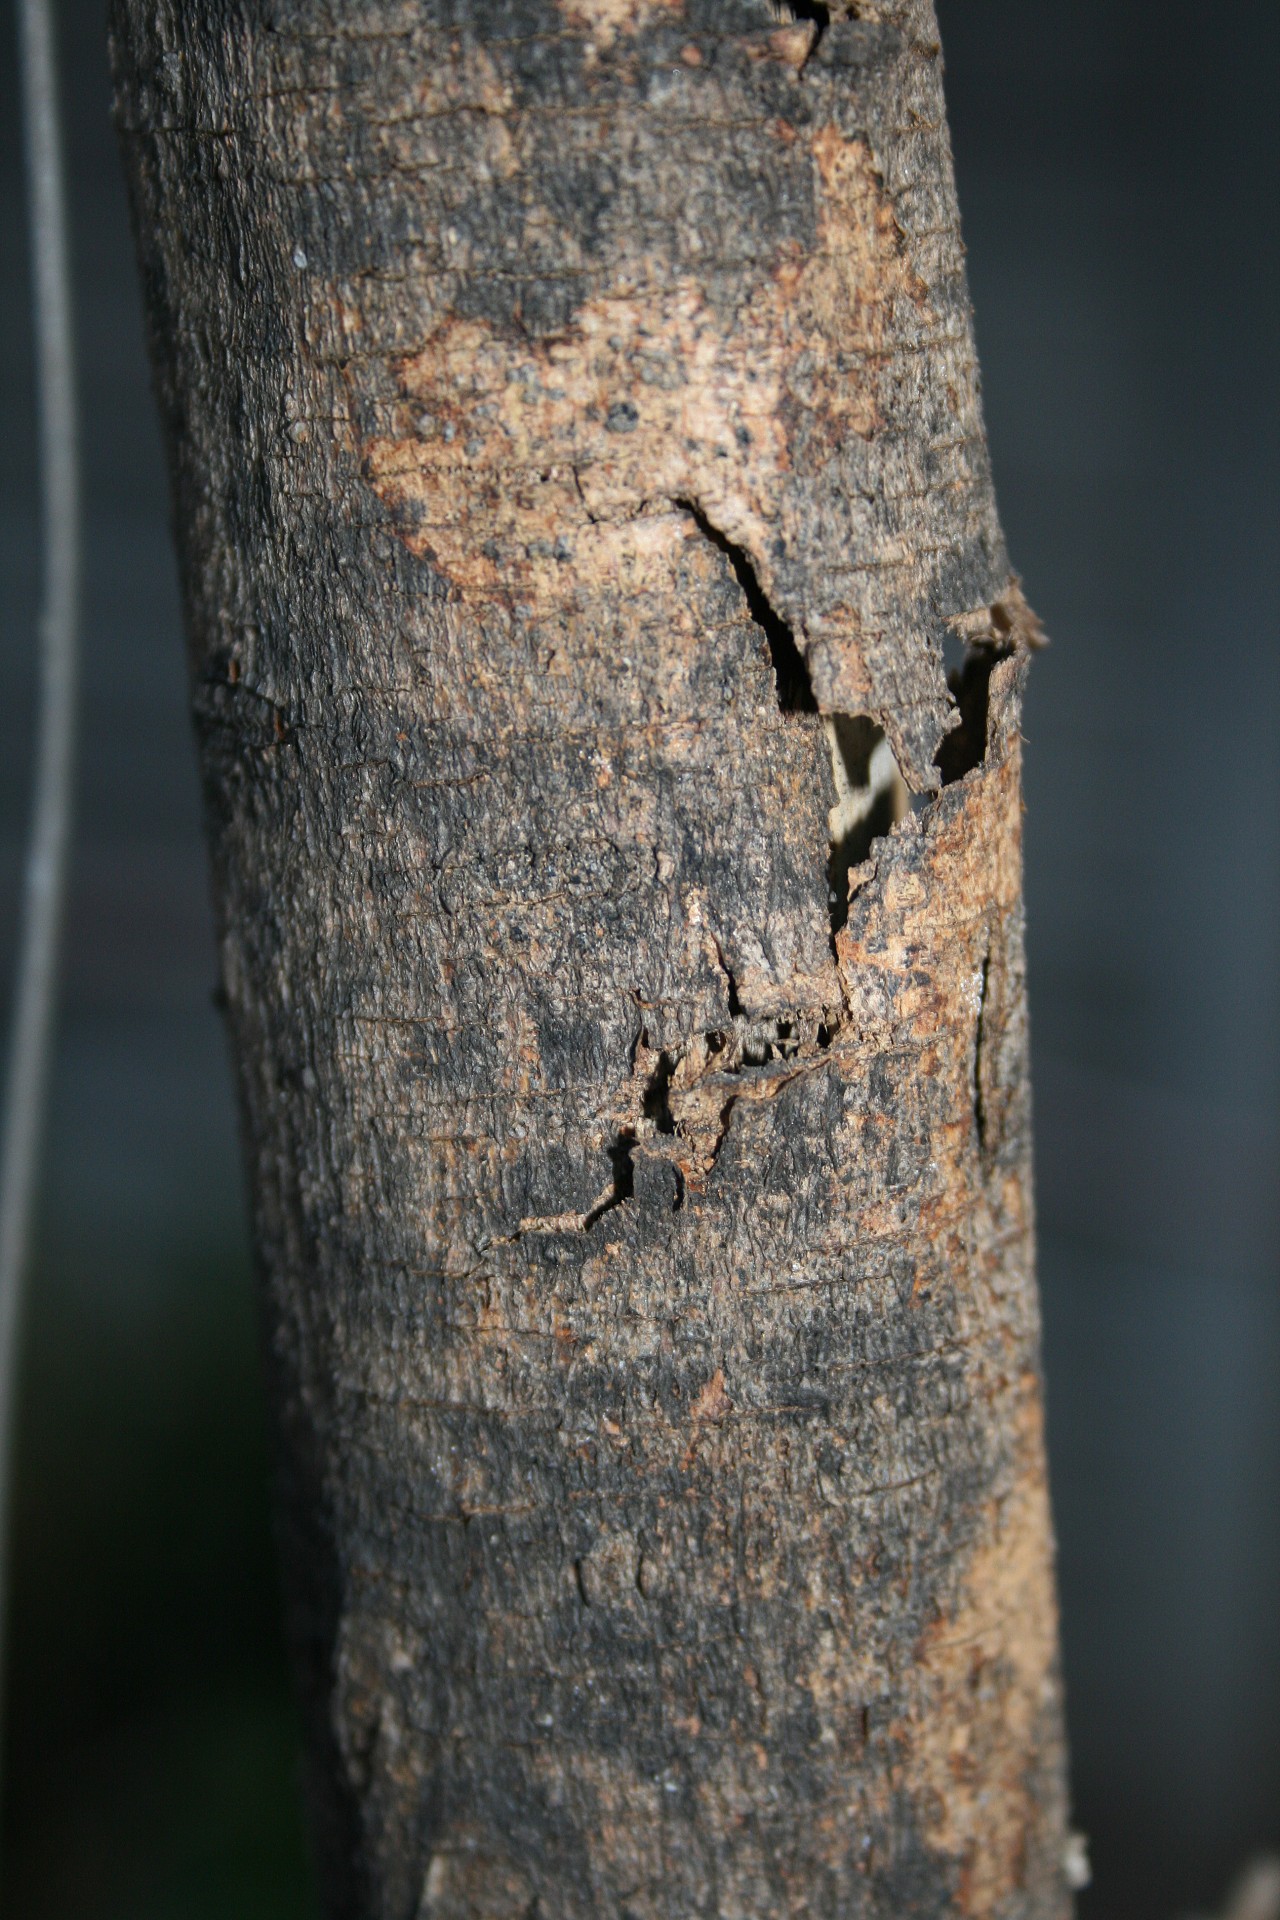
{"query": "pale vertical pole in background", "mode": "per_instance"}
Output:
(45, 875)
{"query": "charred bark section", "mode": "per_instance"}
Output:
(578, 469)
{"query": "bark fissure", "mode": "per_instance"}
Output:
(689, 1093)
(820, 16)
(870, 791)
(730, 980)
(812, 12)
(964, 749)
(656, 1104)
(686, 1101)
(621, 1157)
(979, 1102)
(989, 635)
(791, 675)
(871, 796)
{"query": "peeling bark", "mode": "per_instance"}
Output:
(577, 466)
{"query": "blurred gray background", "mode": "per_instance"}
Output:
(1117, 167)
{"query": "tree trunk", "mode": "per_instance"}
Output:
(578, 469)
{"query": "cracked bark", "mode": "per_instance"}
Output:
(577, 467)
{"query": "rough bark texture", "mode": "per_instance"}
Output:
(578, 465)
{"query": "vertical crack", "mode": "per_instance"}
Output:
(965, 746)
(791, 675)
(735, 1005)
(621, 1157)
(656, 1103)
(726, 1114)
(871, 795)
(816, 12)
(870, 792)
(979, 1039)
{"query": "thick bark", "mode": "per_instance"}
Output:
(578, 465)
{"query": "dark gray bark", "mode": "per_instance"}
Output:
(577, 466)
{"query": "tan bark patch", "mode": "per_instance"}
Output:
(466, 1881)
(713, 1403)
(845, 296)
(550, 466)
(993, 1666)
(604, 20)
(648, 396)
(505, 448)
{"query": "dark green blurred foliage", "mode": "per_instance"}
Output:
(153, 1750)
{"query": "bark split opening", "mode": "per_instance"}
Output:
(791, 674)
(979, 1041)
(621, 1156)
(811, 12)
(871, 795)
(870, 792)
(686, 1099)
(689, 1093)
(817, 14)
(964, 748)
